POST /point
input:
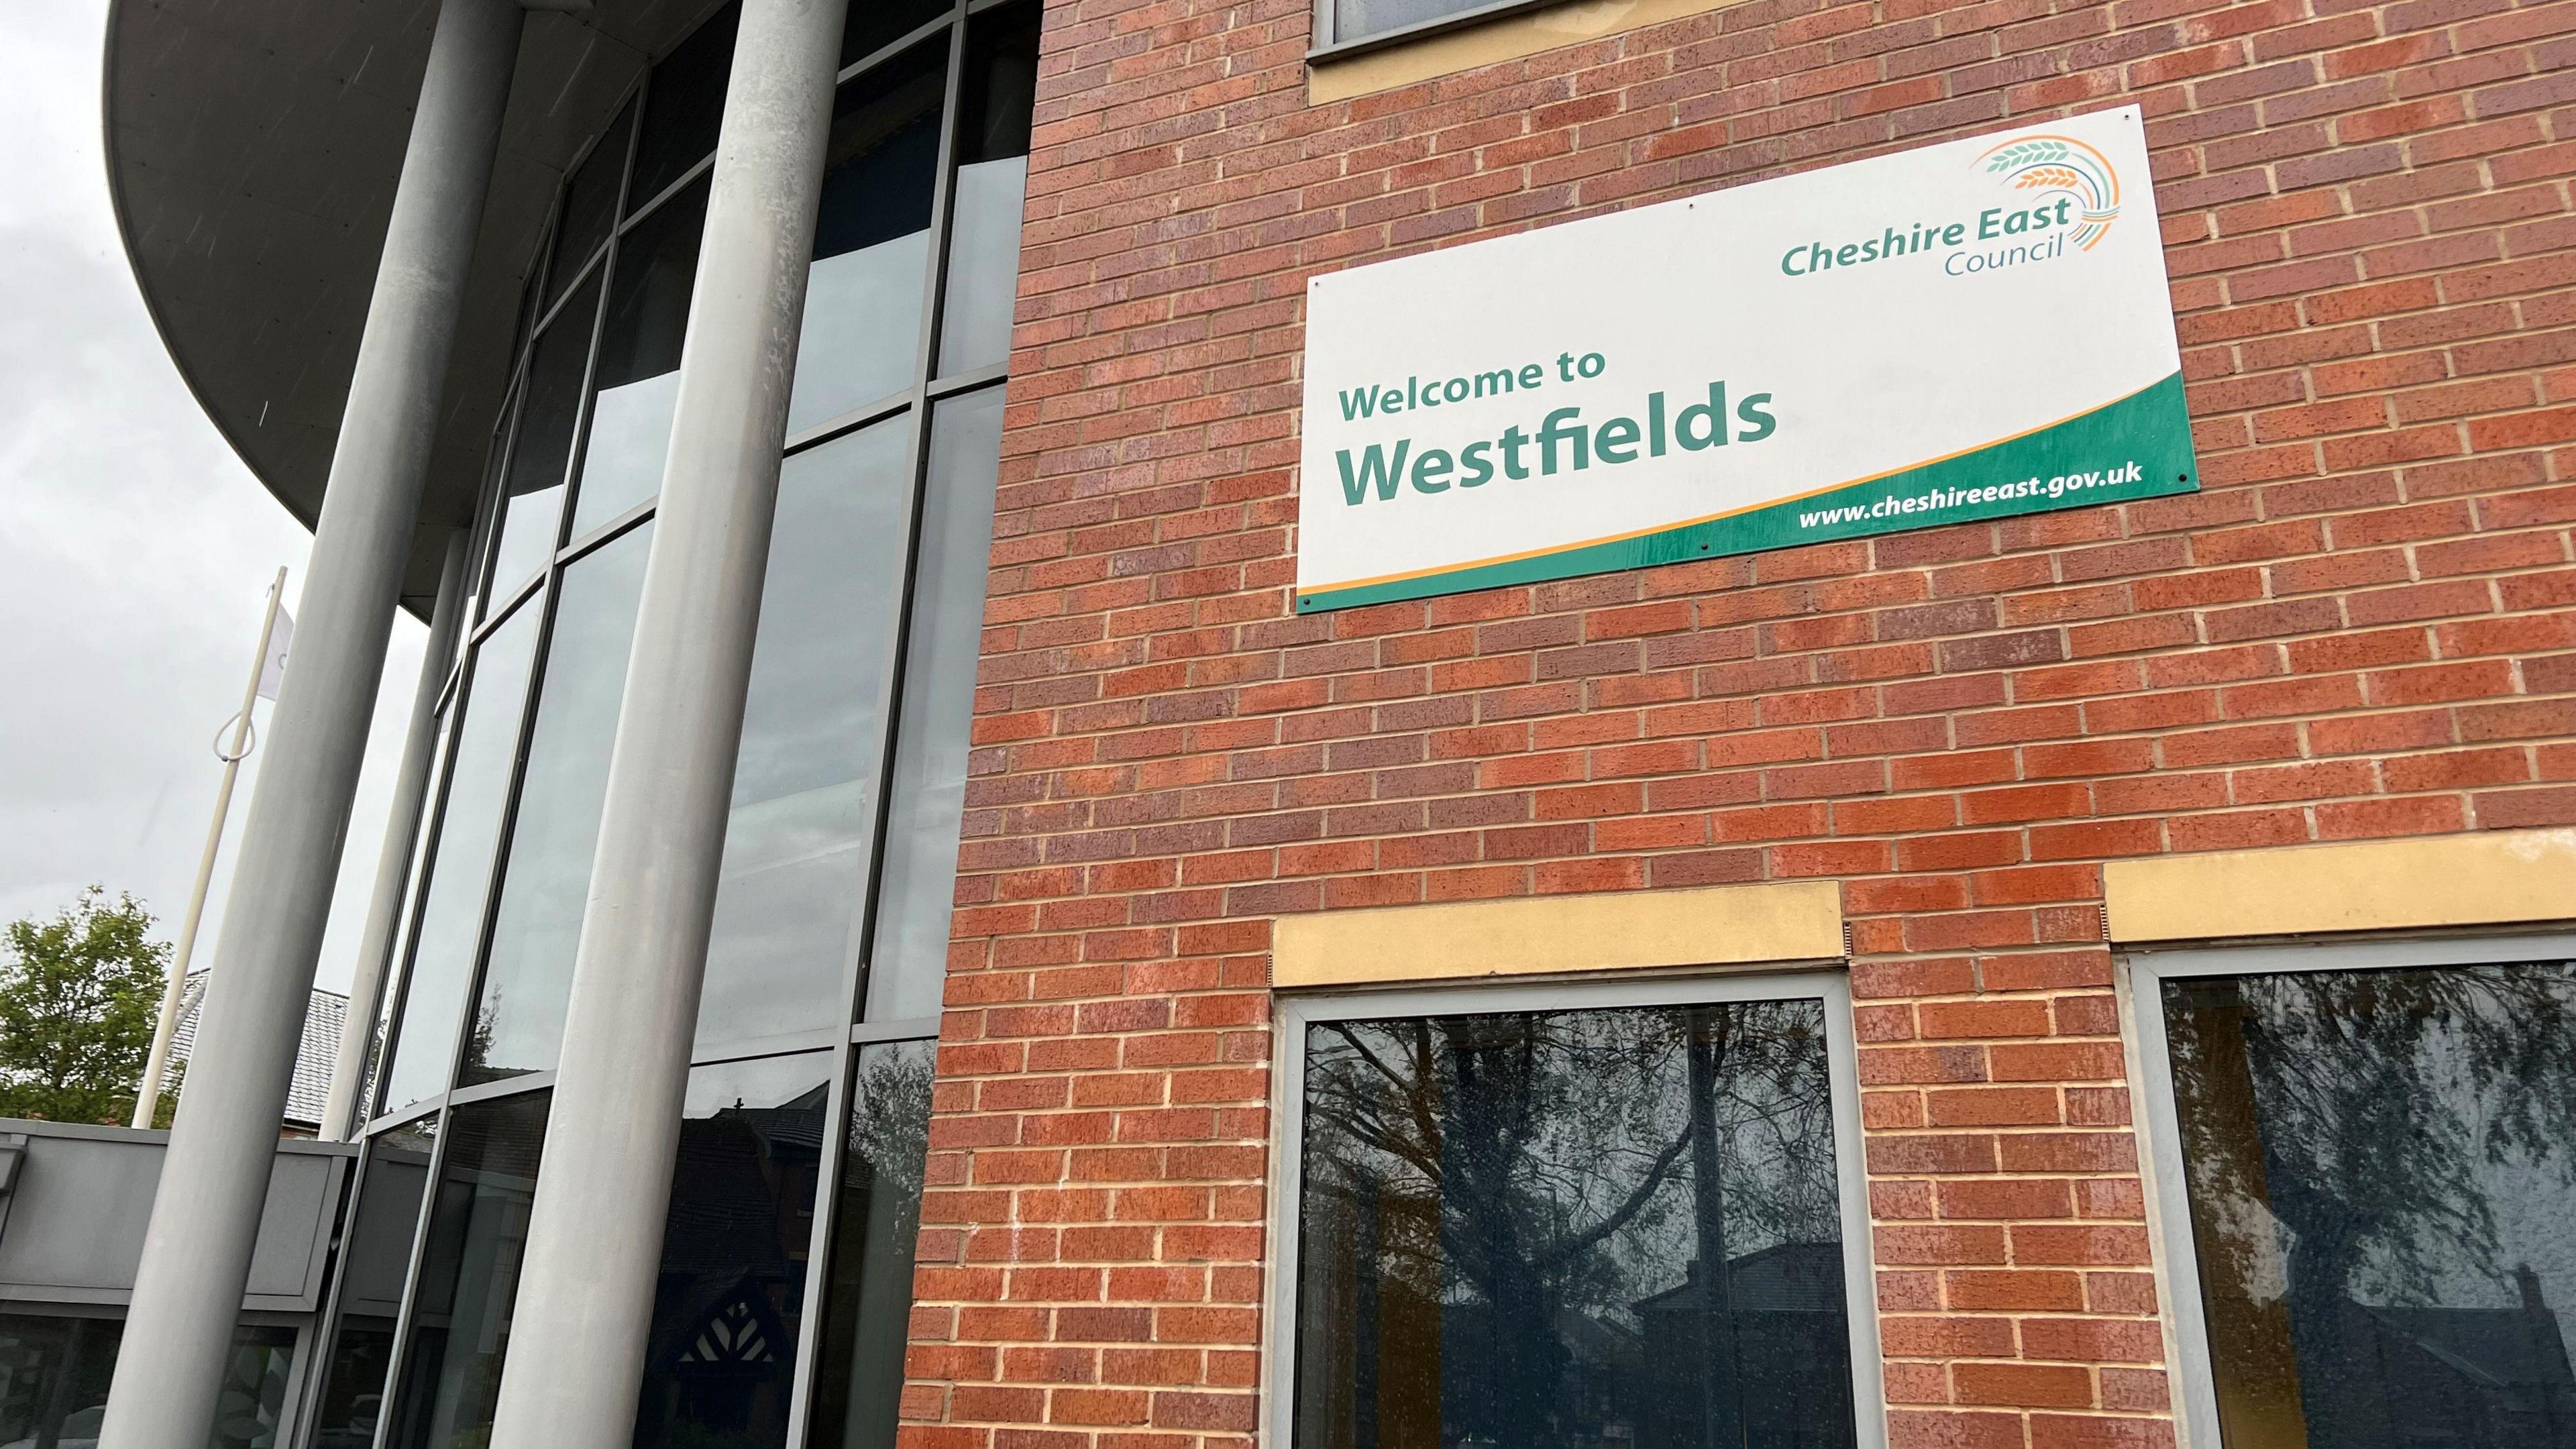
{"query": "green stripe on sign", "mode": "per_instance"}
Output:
(2137, 447)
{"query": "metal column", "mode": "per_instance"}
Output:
(585, 1303)
(342, 1112)
(205, 1218)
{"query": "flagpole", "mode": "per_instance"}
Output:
(147, 1094)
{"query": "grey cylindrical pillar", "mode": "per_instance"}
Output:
(585, 1304)
(342, 1113)
(196, 1255)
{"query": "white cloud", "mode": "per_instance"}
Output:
(135, 548)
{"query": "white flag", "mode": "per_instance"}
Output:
(272, 670)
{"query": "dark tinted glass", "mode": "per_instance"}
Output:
(460, 880)
(873, 27)
(993, 111)
(353, 1389)
(2381, 1168)
(813, 734)
(638, 376)
(909, 965)
(1572, 1228)
(54, 1374)
(589, 204)
(469, 1274)
(684, 106)
(518, 1024)
(992, 188)
(858, 1370)
(862, 325)
(377, 1252)
(533, 494)
(730, 1300)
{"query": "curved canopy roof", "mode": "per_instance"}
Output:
(252, 151)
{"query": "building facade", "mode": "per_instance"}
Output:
(2100, 976)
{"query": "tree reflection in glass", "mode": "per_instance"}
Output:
(2383, 1201)
(1504, 1221)
(858, 1372)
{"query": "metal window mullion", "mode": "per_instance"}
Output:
(410, 1112)
(448, 711)
(662, 198)
(854, 974)
(301, 1404)
(503, 836)
(550, 582)
(867, 415)
(890, 730)
(584, 402)
(424, 876)
(609, 532)
(818, 1254)
(398, 1352)
(508, 606)
(893, 48)
(597, 261)
(488, 494)
(957, 384)
(512, 1086)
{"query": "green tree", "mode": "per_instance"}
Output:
(78, 998)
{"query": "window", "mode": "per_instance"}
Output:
(2365, 1163)
(1357, 24)
(54, 1374)
(786, 1277)
(1550, 1217)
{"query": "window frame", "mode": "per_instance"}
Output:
(1327, 43)
(1827, 983)
(2171, 1246)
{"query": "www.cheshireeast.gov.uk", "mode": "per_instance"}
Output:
(1944, 499)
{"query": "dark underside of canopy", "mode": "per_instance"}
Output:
(252, 152)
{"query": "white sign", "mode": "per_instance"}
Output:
(1964, 331)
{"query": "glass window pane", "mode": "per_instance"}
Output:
(858, 1368)
(909, 966)
(518, 1023)
(469, 1274)
(1507, 1222)
(369, 1103)
(873, 27)
(353, 1390)
(532, 499)
(730, 1301)
(638, 376)
(460, 879)
(54, 1374)
(589, 205)
(373, 1266)
(862, 327)
(804, 790)
(2381, 1167)
(684, 106)
(992, 186)
(1353, 19)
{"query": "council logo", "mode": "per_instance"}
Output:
(2061, 163)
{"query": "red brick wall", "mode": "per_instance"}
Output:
(2366, 625)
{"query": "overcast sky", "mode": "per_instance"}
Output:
(135, 548)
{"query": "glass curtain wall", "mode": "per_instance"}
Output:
(786, 1266)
